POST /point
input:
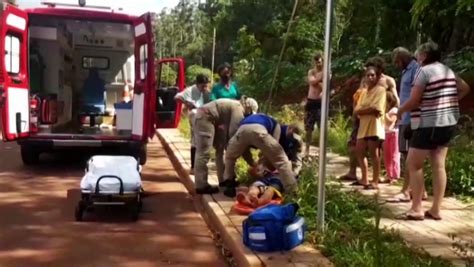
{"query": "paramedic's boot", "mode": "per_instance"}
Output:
(230, 191)
(208, 189)
(230, 186)
(229, 183)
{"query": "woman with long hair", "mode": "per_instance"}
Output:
(370, 135)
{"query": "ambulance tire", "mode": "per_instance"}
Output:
(142, 155)
(29, 156)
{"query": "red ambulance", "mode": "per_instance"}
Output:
(82, 78)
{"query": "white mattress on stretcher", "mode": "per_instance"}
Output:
(125, 167)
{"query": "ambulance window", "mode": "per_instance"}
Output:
(101, 63)
(143, 61)
(12, 54)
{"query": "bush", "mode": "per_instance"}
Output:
(339, 131)
(339, 128)
(193, 70)
(353, 236)
(289, 114)
(168, 75)
(184, 126)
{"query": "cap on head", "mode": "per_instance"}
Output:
(250, 105)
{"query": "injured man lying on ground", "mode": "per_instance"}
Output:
(265, 189)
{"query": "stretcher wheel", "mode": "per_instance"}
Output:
(79, 212)
(135, 212)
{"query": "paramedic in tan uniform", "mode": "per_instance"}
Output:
(262, 132)
(215, 123)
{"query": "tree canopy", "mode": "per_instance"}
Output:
(250, 34)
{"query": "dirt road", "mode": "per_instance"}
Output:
(37, 226)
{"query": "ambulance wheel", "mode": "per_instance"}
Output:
(79, 212)
(29, 156)
(142, 155)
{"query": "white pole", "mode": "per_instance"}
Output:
(324, 114)
(213, 55)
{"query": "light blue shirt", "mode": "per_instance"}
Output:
(406, 83)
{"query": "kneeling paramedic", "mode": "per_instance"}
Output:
(262, 132)
(292, 143)
(215, 123)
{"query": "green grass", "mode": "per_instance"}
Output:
(184, 126)
(339, 131)
(352, 236)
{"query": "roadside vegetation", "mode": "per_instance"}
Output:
(353, 235)
(253, 43)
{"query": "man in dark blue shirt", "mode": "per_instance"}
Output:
(262, 132)
(290, 140)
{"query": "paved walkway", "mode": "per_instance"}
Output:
(433, 236)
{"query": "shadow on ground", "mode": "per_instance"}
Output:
(37, 226)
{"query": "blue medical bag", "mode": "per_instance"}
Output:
(273, 228)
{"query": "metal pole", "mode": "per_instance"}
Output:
(282, 51)
(213, 54)
(324, 114)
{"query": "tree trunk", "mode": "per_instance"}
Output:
(456, 36)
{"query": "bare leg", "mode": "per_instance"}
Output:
(406, 180)
(352, 173)
(361, 147)
(245, 198)
(374, 152)
(438, 159)
(416, 158)
(266, 197)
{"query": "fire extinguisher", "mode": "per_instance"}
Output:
(35, 103)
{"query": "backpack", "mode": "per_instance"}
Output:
(273, 228)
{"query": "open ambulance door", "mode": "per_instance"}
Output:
(170, 73)
(145, 80)
(14, 87)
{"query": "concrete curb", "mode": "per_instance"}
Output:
(229, 231)
(213, 212)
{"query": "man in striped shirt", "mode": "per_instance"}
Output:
(434, 111)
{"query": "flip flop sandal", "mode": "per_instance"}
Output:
(428, 215)
(400, 198)
(357, 183)
(347, 178)
(410, 217)
(370, 187)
